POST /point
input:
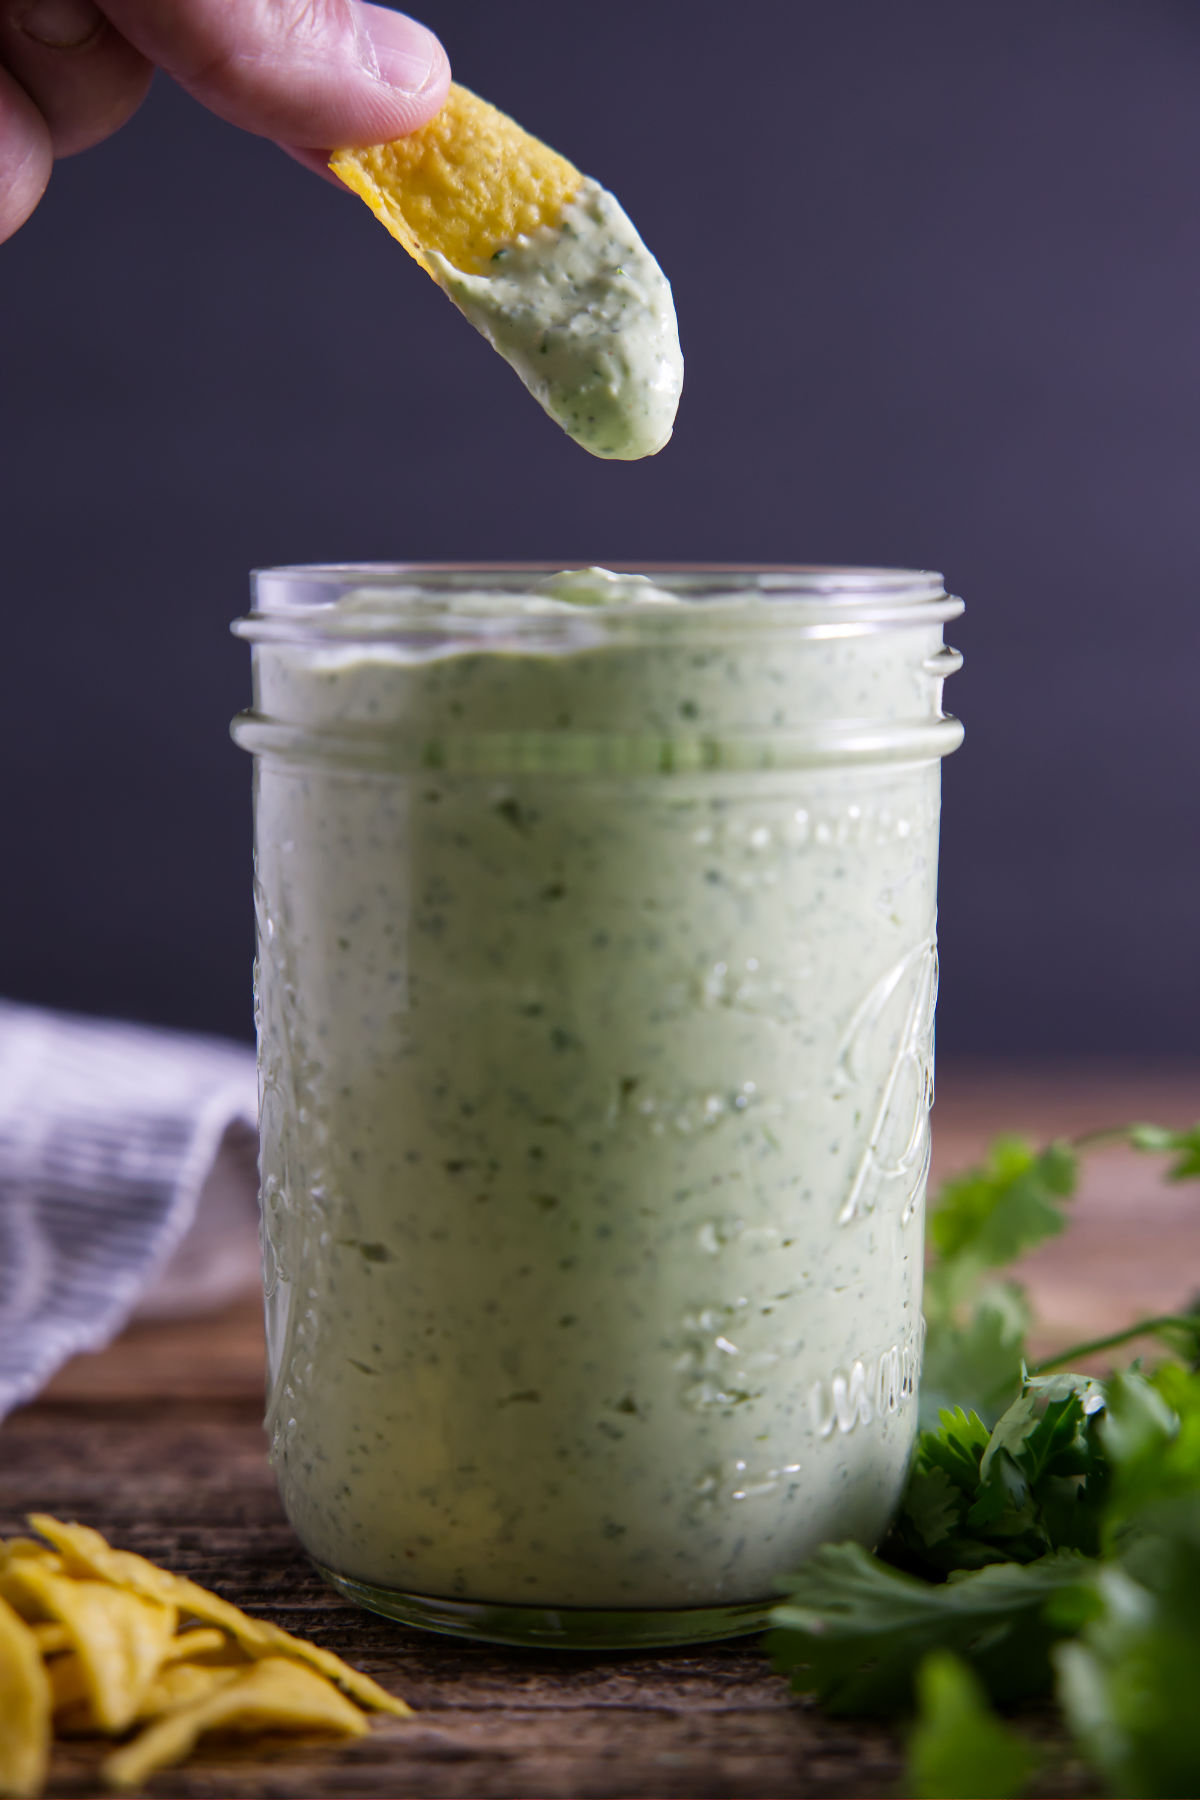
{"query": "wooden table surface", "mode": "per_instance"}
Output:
(157, 1441)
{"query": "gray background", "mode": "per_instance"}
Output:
(937, 266)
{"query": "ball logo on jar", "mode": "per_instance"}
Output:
(895, 1156)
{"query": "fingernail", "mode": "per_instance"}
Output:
(61, 24)
(406, 54)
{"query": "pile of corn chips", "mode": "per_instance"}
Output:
(97, 1640)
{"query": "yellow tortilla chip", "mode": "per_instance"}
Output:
(273, 1695)
(20, 1548)
(176, 1683)
(51, 1637)
(465, 185)
(85, 1550)
(201, 1640)
(181, 1684)
(119, 1637)
(71, 1698)
(69, 1685)
(20, 1554)
(23, 1603)
(24, 1708)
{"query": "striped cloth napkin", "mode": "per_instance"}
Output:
(128, 1184)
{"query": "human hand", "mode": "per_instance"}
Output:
(311, 74)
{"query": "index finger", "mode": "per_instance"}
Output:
(322, 72)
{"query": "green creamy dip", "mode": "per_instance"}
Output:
(584, 314)
(595, 986)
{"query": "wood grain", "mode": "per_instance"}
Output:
(157, 1442)
(186, 1482)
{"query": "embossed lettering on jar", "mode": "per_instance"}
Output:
(596, 981)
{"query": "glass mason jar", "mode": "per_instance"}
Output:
(595, 991)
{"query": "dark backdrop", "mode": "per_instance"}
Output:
(937, 266)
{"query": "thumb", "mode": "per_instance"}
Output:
(322, 72)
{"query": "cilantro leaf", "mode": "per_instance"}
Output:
(959, 1750)
(994, 1213)
(957, 1447)
(976, 1363)
(931, 1506)
(1128, 1686)
(1184, 1145)
(854, 1629)
(975, 1343)
(1036, 1483)
(1152, 1437)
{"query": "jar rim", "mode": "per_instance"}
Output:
(398, 599)
(703, 577)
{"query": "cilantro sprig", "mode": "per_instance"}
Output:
(1048, 1542)
(1036, 1483)
(854, 1629)
(987, 1218)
